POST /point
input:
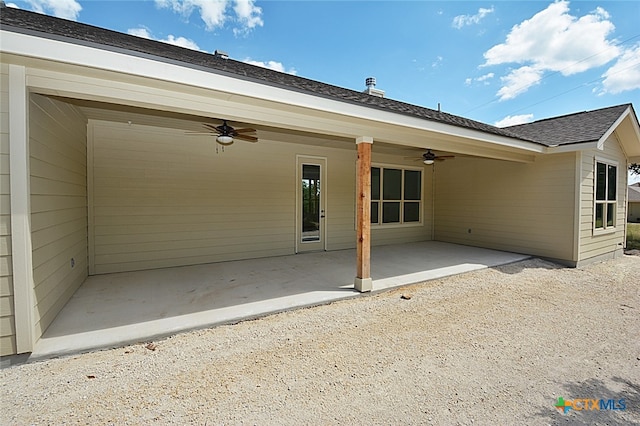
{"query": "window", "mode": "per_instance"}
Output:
(396, 195)
(606, 192)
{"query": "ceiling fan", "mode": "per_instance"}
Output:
(225, 134)
(429, 157)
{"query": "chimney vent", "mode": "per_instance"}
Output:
(370, 82)
(221, 54)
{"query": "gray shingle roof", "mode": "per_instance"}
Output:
(633, 192)
(49, 27)
(588, 126)
(575, 128)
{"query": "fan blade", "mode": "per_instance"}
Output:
(244, 130)
(211, 127)
(200, 133)
(246, 138)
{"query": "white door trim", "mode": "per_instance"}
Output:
(323, 163)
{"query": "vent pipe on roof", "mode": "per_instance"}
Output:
(221, 54)
(370, 82)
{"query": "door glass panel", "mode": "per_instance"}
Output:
(310, 202)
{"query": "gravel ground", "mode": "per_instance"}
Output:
(497, 346)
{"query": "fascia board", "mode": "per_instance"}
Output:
(149, 67)
(613, 128)
(573, 147)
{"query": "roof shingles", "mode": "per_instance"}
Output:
(588, 126)
(547, 132)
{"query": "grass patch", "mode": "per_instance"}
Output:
(633, 236)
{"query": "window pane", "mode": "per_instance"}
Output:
(390, 212)
(412, 184)
(611, 213)
(611, 183)
(374, 212)
(601, 181)
(310, 202)
(599, 215)
(375, 183)
(412, 212)
(392, 184)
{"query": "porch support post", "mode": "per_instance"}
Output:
(363, 282)
(19, 175)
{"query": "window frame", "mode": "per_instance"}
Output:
(402, 201)
(605, 229)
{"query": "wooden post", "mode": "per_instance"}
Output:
(363, 282)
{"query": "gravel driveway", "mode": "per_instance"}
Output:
(497, 346)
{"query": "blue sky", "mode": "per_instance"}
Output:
(499, 62)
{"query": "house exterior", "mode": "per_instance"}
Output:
(633, 203)
(100, 171)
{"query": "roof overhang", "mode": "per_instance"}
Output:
(93, 72)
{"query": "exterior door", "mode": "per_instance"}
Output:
(310, 204)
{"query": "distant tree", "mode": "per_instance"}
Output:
(635, 168)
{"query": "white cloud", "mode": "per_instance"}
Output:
(513, 120)
(171, 39)
(553, 40)
(464, 20)
(67, 9)
(248, 14)
(272, 65)
(13, 5)
(519, 81)
(484, 79)
(624, 74)
(214, 12)
(437, 62)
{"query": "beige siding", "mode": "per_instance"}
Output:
(525, 208)
(162, 198)
(593, 245)
(7, 320)
(58, 204)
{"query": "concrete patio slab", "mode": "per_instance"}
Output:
(117, 309)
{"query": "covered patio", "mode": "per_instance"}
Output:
(117, 309)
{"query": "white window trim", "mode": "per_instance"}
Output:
(400, 224)
(611, 229)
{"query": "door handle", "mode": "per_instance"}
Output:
(321, 214)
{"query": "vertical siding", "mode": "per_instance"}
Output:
(162, 198)
(525, 208)
(597, 245)
(58, 204)
(7, 319)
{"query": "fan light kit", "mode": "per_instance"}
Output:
(429, 157)
(224, 139)
(225, 134)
